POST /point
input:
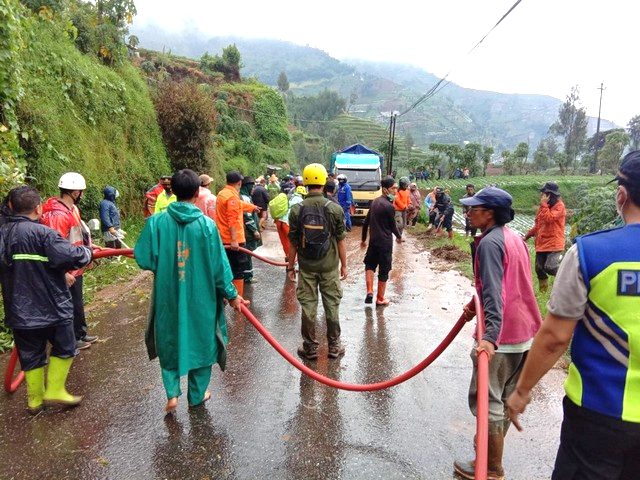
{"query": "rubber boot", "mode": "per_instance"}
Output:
(368, 275)
(543, 284)
(56, 392)
(494, 457)
(450, 234)
(494, 460)
(239, 284)
(380, 300)
(35, 389)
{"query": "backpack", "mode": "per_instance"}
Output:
(315, 231)
(279, 206)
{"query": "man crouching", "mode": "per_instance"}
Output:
(37, 301)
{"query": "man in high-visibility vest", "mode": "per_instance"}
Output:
(596, 302)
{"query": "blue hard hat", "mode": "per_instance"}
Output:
(489, 197)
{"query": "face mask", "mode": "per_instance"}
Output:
(76, 200)
(167, 189)
(619, 209)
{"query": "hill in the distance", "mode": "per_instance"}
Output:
(454, 115)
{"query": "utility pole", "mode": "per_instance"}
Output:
(594, 163)
(389, 156)
(393, 141)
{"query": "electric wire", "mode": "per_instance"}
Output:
(438, 85)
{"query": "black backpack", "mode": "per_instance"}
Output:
(315, 231)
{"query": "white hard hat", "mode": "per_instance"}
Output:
(72, 181)
(342, 176)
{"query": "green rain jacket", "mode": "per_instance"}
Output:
(187, 328)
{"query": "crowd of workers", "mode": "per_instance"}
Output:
(193, 241)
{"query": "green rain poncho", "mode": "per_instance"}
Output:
(187, 327)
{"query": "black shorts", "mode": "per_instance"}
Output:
(595, 446)
(32, 344)
(547, 263)
(377, 256)
(239, 262)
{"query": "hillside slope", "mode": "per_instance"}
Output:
(455, 115)
(78, 115)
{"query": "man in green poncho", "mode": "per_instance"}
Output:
(187, 328)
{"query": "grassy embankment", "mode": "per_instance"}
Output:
(524, 189)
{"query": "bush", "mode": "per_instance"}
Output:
(596, 210)
(185, 115)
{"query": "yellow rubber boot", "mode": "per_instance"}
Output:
(56, 391)
(35, 389)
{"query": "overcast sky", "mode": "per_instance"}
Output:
(544, 46)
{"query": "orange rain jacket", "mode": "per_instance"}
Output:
(229, 210)
(401, 200)
(549, 227)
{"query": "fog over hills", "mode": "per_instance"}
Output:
(456, 114)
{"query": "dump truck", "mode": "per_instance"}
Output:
(363, 168)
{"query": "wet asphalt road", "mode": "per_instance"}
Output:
(266, 419)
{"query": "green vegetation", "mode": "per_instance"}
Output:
(79, 115)
(214, 126)
(524, 188)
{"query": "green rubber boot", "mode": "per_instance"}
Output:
(35, 389)
(56, 392)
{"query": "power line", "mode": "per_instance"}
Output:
(438, 85)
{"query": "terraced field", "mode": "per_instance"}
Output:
(373, 134)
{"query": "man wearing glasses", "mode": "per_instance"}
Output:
(595, 305)
(502, 271)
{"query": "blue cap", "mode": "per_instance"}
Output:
(489, 197)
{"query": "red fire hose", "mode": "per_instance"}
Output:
(11, 384)
(482, 418)
(352, 386)
(259, 257)
(482, 413)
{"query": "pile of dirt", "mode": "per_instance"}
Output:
(450, 253)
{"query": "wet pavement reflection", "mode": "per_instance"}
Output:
(266, 419)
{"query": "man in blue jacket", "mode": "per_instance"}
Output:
(37, 302)
(110, 219)
(345, 199)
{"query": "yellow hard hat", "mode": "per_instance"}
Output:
(301, 190)
(314, 174)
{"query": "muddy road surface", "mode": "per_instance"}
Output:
(266, 420)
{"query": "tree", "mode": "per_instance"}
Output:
(612, 151)
(232, 61)
(541, 157)
(283, 82)
(134, 41)
(353, 98)
(229, 64)
(520, 156)
(572, 126)
(452, 152)
(508, 163)
(409, 143)
(563, 161)
(487, 152)
(185, 116)
(634, 132)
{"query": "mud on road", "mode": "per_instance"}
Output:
(266, 419)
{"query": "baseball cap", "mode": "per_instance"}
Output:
(629, 171)
(205, 180)
(489, 197)
(234, 177)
